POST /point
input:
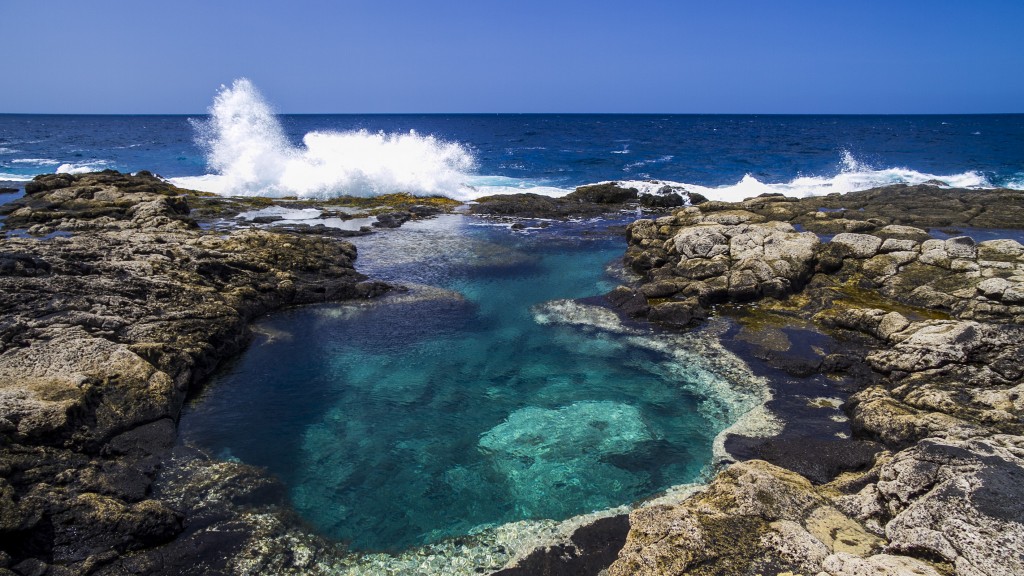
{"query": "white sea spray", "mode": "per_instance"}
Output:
(251, 155)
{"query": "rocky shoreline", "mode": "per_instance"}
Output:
(107, 326)
(894, 358)
(920, 339)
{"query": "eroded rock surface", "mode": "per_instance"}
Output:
(934, 328)
(103, 333)
(693, 259)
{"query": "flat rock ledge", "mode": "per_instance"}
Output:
(937, 324)
(108, 322)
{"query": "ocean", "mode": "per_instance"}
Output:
(497, 390)
(242, 147)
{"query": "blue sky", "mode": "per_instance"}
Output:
(370, 56)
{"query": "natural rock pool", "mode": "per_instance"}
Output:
(482, 396)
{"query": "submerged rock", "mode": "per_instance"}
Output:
(549, 456)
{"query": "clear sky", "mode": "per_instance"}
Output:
(721, 56)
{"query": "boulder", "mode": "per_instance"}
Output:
(957, 501)
(604, 193)
(753, 518)
(856, 245)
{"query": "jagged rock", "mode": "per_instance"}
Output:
(941, 323)
(950, 379)
(679, 314)
(392, 219)
(666, 200)
(958, 501)
(606, 193)
(753, 518)
(715, 257)
(630, 302)
(961, 247)
(856, 245)
(103, 333)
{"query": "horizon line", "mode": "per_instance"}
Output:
(530, 113)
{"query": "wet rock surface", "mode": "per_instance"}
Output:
(590, 550)
(915, 350)
(103, 333)
(584, 202)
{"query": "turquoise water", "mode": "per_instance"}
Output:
(447, 409)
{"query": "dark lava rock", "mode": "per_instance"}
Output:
(266, 219)
(14, 264)
(528, 205)
(677, 314)
(606, 193)
(592, 549)
(322, 230)
(669, 200)
(696, 198)
(631, 302)
(421, 211)
(819, 460)
(392, 219)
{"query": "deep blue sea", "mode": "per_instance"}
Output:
(242, 147)
(490, 393)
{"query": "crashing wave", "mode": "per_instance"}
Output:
(250, 154)
(247, 148)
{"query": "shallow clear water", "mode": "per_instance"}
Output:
(444, 410)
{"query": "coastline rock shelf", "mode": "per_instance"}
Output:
(106, 326)
(936, 322)
(116, 304)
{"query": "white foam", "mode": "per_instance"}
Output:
(251, 156)
(249, 151)
(283, 212)
(853, 175)
(640, 164)
(14, 177)
(82, 168)
(8, 150)
(35, 161)
(1017, 183)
